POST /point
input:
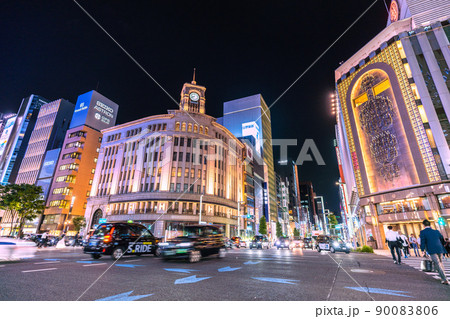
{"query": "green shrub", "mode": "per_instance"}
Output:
(363, 249)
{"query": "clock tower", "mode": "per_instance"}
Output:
(193, 97)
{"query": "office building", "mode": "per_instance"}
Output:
(17, 143)
(250, 116)
(75, 168)
(394, 107)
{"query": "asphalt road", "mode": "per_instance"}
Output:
(243, 274)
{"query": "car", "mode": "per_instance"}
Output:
(283, 242)
(72, 241)
(323, 242)
(297, 242)
(239, 242)
(16, 249)
(259, 242)
(196, 242)
(117, 238)
(338, 244)
(308, 243)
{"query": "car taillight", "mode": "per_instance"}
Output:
(107, 238)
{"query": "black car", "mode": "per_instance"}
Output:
(197, 241)
(283, 242)
(308, 242)
(117, 238)
(333, 244)
(259, 242)
(338, 245)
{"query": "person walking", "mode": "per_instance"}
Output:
(447, 247)
(392, 239)
(43, 240)
(413, 242)
(405, 244)
(432, 242)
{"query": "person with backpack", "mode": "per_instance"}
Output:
(405, 244)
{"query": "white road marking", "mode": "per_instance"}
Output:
(86, 259)
(2, 266)
(47, 262)
(129, 261)
(94, 265)
(34, 270)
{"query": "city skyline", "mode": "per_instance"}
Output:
(91, 59)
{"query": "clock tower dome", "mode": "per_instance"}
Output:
(193, 97)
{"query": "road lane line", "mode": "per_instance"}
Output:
(86, 259)
(129, 261)
(2, 266)
(34, 270)
(94, 265)
(47, 262)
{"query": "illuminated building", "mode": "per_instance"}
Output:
(308, 206)
(49, 131)
(77, 160)
(6, 126)
(250, 116)
(393, 122)
(165, 171)
(14, 149)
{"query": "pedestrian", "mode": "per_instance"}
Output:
(392, 239)
(432, 241)
(447, 247)
(413, 242)
(405, 244)
(43, 240)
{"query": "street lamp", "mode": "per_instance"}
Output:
(239, 217)
(200, 214)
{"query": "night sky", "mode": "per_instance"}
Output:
(241, 48)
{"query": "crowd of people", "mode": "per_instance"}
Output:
(431, 243)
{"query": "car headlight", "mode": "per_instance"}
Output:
(277, 242)
(336, 245)
(348, 245)
(184, 245)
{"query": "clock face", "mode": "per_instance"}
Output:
(393, 11)
(194, 96)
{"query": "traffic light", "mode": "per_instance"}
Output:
(441, 221)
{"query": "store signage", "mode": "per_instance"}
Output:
(394, 11)
(102, 220)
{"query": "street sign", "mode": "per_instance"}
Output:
(102, 220)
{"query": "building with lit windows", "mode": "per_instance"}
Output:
(75, 168)
(167, 171)
(14, 148)
(49, 131)
(393, 115)
(250, 116)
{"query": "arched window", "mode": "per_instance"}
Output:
(201, 129)
(195, 128)
(189, 127)
(206, 130)
(177, 126)
(183, 126)
(96, 217)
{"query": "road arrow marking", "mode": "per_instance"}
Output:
(87, 262)
(189, 280)
(124, 297)
(129, 265)
(53, 259)
(183, 270)
(277, 280)
(381, 291)
(228, 268)
(251, 262)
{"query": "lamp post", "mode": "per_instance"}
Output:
(239, 218)
(200, 214)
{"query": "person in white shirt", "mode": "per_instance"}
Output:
(405, 244)
(392, 241)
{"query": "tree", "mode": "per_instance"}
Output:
(23, 201)
(296, 232)
(279, 230)
(263, 226)
(332, 221)
(78, 223)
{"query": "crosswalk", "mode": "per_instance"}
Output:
(415, 263)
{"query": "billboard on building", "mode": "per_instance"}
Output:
(387, 157)
(6, 133)
(94, 110)
(49, 164)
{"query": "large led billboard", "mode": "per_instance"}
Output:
(49, 165)
(94, 110)
(6, 133)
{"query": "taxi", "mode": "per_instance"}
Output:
(117, 239)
